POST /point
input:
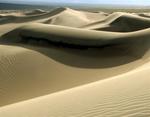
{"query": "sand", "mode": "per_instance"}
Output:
(69, 63)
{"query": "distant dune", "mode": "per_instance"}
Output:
(73, 63)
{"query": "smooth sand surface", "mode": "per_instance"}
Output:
(69, 63)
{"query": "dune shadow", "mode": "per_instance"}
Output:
(83, 57)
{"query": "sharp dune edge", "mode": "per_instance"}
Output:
(69, 63)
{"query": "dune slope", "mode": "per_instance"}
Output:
(124, 95)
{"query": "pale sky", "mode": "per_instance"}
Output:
(122, 2)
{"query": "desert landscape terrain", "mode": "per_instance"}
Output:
(74, 63)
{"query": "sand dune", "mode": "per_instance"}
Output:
(69, 63)
(120, 22)
(75, 36)
(17, 18)
(73, 18)
(124, 95)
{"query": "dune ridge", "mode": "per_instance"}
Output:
(51, 61)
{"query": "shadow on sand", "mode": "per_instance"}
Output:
(84, 57)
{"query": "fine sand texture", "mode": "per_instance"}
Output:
(71, 63)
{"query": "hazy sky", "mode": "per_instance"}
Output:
(123, 2)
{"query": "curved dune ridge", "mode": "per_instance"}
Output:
(71, 63)
(76, 36)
